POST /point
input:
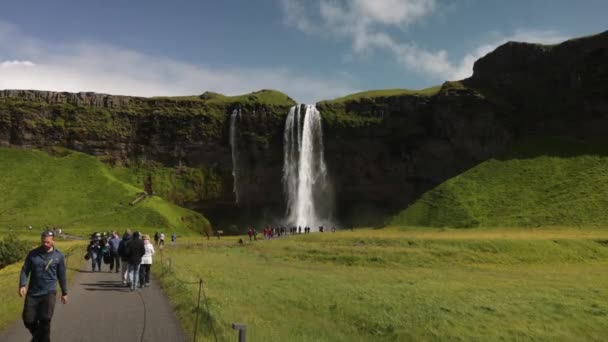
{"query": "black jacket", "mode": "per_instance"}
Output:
(135, 250)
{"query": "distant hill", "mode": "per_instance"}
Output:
(78, 192)
(539, 183)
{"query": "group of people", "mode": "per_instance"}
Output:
(159, 239)
(45, 266)
(280, 231)
(133, 252)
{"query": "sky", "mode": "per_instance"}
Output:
(310, 49)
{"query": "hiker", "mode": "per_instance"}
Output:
(156, 237)
(173, 238)
(124, 256)
(162, 239)
(44, 266)
(104, 251)
(135, 251)
(94, 251)
(114, 243)
(250, 233)
(333, 229)
(146, 262)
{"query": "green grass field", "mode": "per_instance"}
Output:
(399, 284)
(79, 193)
(538, 183)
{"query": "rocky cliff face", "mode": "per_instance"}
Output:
(179, 133)
(382, 152)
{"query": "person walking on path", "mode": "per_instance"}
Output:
(135, 251)
(114, 242)
(94, 251)
(44, 266)
(146, 263)
(156, 237)
(124, 257)
(173, 238)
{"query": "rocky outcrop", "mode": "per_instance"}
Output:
(175, 132)
(382, 152)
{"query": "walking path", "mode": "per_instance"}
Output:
(100, 308)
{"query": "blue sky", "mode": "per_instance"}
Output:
(310, 49)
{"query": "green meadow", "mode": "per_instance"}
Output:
(397, 284)
(538, 183)
(81, 194)
(531, 265)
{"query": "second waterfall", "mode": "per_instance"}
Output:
(309, 200)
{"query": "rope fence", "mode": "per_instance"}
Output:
(167, 270)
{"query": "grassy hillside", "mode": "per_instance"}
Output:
(78, 192)
(539, 183)
(370, 94)
(398, 285)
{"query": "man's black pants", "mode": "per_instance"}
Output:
(37, 314)
(115, 261)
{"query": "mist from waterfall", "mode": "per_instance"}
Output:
(234, 118)
(309, 200)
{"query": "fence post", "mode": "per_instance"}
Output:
(198, 307)
(242, 329)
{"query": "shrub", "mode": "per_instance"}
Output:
(12, 250)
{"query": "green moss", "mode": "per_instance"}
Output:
(180, 185)
(191, 117)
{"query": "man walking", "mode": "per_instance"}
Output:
(136, 250)
(44, 266)
(114, 242)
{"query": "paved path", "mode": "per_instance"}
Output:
(101, 309)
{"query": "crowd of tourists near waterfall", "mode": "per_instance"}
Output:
(281, 231)
(129, 255)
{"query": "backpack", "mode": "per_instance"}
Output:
(123, 251)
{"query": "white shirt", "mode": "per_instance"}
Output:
(149, 248)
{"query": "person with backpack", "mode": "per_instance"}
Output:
(124, 256)
(94, 251)
(146, 263)
(104, 251)
(135, 251)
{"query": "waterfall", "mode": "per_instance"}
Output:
(304, 170)
(236, 115)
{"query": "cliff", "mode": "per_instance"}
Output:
(384, 149)
(182, 142)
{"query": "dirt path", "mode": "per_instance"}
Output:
(101, 309)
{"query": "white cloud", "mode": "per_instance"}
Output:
(393, 12)
(15, 63)
(91, 66)
(365, 24)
